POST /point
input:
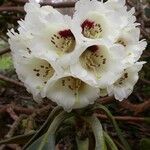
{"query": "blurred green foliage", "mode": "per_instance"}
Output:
(5, 62)
(145, 144)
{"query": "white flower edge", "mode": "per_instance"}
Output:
(70, 92)
(35, 73)
(35, 17)
(135, 51)
(118, 7)
(123, 87)
(19, 43)
(129, 39)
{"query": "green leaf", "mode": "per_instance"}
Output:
(108, 113)
(47, 146)
(21, 139)
(145, 144)
(110, 142)
(98, 132)
(47, 141)
(44, 127)
(63, 132)
(82, 144)
(5, 62)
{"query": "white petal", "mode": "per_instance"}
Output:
(19, 43)
(123, 87)
(134, 51)
(70, 92)
(106, 68)
(34, 72)
(118, 7)
(93, 21)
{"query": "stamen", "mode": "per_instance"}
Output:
(29, 51)
(122, 79)
(37, 74)
(73, 84)
(43, 71)
(121, 41)
(64, 41)
(94, 59)
(126, 75)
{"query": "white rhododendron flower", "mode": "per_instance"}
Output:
(99, 62)
(50, 31)
(123, 87)
(129, 39)
(92, 20)
(34, 72)
(71, 92)
(74, 60)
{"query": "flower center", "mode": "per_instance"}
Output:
(92, 30)
(122, 42)
(43, 71)
(94, 59)
(73, 84)
(63, 41)
(122, 80)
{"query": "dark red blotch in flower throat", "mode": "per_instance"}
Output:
(93, 48)
(66, 33)
(88, 24)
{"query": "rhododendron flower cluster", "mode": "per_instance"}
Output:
(75, 60)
